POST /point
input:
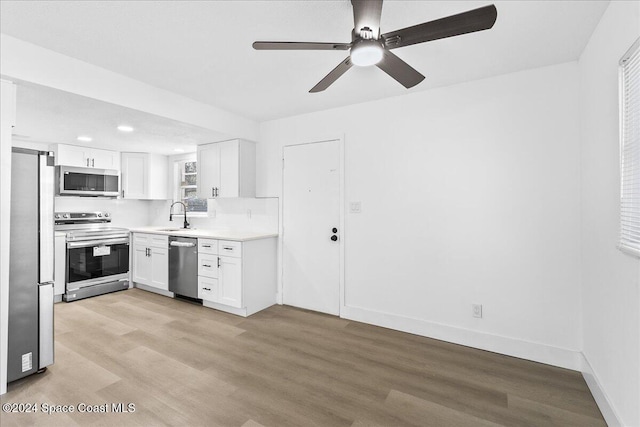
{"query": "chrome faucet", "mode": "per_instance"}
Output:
(184, 208)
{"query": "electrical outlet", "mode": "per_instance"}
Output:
(355, 207)
(477, 310)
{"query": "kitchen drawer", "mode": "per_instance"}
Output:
(159, 241)
(151, 240)
(207, 265)
(208, 289)
(141, 239)
(208, 246)
(229, 248)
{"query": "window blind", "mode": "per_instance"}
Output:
(630, 150)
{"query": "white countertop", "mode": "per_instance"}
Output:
(238, 236)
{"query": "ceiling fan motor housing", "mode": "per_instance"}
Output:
(365, 52)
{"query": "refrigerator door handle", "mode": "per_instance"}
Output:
(45, 320)
(47, 240)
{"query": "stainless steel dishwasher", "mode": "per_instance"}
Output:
(183, 266)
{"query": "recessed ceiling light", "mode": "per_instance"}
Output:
(123, 128)
(85, 138)
(178, 150)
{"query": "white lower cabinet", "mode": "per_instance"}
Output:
(237, 277)
(151, 260)
(230, 280)
(141, 272)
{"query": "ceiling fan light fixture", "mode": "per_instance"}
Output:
(366, 53)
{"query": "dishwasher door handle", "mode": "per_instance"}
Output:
(182, 244)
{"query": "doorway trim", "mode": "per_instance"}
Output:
(343, 232)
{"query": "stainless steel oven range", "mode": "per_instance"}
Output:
(97, 259)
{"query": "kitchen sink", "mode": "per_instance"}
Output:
(175, 229)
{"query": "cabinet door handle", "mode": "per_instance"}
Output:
(206, 246)
(217, 192)
(218, 262)
(123, 194)
(206, 265)
(213, 192)
(87, 162)
(227, 248)
(93, 163)
(206, 289)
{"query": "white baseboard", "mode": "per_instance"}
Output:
(604, 404)
(152, 289)
(227, 309)
(537, 352)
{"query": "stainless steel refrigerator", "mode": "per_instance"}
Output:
(30, 345)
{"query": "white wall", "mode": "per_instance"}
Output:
(611, 299)
(470, 194)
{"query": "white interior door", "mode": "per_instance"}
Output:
(311, 212)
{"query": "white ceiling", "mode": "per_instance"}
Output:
(47, 115)
(202, 49)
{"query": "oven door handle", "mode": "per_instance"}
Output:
(88, 243)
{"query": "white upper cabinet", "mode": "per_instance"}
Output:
(208, 170)
(227, 169)
(71, 155)
(85, 157)
(105, 159)
(145, 176)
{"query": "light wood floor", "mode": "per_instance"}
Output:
(185, 365)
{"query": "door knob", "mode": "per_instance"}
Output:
(334, 237)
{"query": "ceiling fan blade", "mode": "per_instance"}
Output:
(300, 46)
(404, 73)
(366, 13)
(332, 76)
(454, 25)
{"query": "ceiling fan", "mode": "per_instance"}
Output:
(369, 47)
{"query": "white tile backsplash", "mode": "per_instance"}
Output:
(225, 214)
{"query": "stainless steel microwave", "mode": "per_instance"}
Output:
(88, 182)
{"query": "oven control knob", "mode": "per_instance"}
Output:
(99, 214)
(107, 214)
(57, 216)
(65, 216)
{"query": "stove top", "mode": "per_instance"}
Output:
(88, 226)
